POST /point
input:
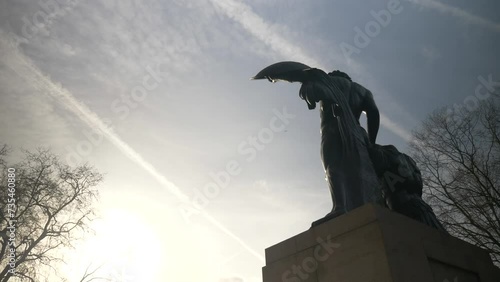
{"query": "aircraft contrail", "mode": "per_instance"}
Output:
(458, 13)
(24, 67)
(263, 31)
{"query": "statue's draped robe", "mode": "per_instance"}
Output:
(349, 170)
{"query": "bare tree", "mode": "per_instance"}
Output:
(45, 210)
(458, 153)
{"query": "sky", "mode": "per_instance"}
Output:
(204, 168)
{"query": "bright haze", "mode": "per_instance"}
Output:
(204, 167)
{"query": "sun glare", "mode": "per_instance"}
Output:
(125, 248)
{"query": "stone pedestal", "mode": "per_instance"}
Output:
(373, 244)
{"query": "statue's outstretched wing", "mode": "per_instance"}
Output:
(288, 71)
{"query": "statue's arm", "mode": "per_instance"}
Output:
(372, 116)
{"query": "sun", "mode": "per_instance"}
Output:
(123, 244)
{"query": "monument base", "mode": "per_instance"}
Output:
(372, 244)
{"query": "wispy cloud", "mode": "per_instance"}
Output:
(459, 13)
(24, 67)
(395, 128)
(263, 31)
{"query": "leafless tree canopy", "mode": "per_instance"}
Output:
(458, 153)
(53, 206)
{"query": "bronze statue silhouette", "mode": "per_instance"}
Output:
(344, 143)
(348, 151)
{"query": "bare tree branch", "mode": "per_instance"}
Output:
(459, 157)
(53, 202)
